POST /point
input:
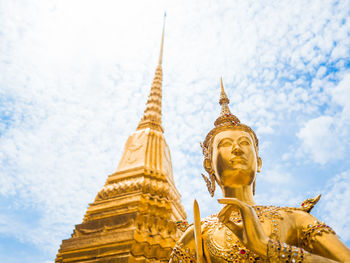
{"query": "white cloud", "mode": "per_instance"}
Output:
(279, 197)
(341, 96)
(74, 78)
(335, 204)
(276, 176)
(320, 139)
(326, 138)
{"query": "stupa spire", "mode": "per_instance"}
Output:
(162, 43)
(152, 116)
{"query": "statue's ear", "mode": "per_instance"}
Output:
(259, 164)
(207, 165)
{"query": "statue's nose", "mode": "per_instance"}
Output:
(236, 150)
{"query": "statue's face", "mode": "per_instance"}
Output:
(234, 158)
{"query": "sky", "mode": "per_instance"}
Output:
(74, 80)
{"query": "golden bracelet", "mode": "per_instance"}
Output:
(313, 230)
(182, 255)
(282, 252)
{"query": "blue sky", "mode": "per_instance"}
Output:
(74, 80)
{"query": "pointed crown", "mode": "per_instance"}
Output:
(225, 121)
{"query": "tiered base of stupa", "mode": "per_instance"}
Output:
(131, 220)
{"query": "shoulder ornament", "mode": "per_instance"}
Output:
(182, 225)
(308, 204)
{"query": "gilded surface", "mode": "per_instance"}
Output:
(137, 216)
(243, 231)
(132, 218)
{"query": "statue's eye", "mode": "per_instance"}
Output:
(245, 143)
(225, 144)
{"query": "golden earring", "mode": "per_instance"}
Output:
(210, 183)
(212, 178)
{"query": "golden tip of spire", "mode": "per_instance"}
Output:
(162, 43)
(222, 86)
(223, 96)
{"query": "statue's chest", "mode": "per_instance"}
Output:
(223, 245)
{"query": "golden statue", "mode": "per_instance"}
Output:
(243, 231)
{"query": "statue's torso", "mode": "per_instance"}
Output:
(292, 228)
(222, 245)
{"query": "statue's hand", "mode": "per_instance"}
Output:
(249, 231)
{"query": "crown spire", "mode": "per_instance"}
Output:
(224, 101)
(152, 116)
(225, 114)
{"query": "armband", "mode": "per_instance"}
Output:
(282, 252)
(182, 255)
(316, 229)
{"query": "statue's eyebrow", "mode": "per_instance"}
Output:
(244, 137)
(224, 139)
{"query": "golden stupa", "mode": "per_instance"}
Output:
(132, 218)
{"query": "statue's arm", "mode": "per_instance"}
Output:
(319, 239)
(185, 249)
(251, 234)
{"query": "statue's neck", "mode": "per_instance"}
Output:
(242, 192)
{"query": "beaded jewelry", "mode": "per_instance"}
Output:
(281, 252)
(181, 255)
(271, 213)
(182, 225)
(234, 250)
(312, 230)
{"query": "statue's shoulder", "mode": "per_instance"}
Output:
(186, 244)
(184, 226)
(307, 225)
(300, 216)
(209, 220)
(185, 247)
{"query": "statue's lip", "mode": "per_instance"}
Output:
(241, 160)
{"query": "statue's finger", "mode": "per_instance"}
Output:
(225, 213)
(223, 210)
(249, 213)
(235, 228)
(231, 201)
